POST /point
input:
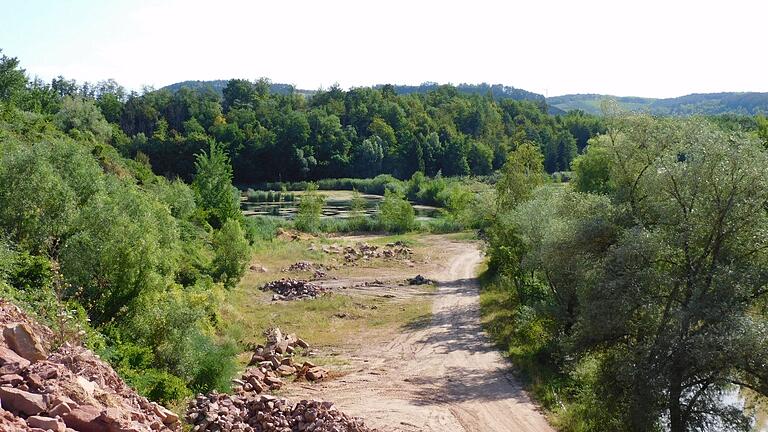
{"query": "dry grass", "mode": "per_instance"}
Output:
(337, 323)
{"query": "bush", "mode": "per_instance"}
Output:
(310, 210)
(232, 253)
(363, 224)
(396, 214)
(261, 228)
(444, 225)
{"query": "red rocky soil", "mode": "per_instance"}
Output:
(66, 389)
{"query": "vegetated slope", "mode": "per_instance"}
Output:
(218, 87)
(749, 103)
(50, 385)
(498, 91)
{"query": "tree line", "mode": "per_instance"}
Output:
(287, 136)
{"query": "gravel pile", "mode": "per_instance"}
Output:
(265, 413)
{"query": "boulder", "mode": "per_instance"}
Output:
(85, 418)
(316, 374)
(11, 362)
(22, 401)
(20, 338)
(167, 416)
(60, 409)
(46, 423)
(285, 370)
(11, 379)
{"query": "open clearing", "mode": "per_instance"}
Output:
(433, 372)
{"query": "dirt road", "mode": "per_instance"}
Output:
(442, 375)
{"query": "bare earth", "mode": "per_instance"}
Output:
(443, 375)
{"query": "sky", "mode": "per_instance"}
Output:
(651, 48)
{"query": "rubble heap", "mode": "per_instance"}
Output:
(294, 289)
(249, 411)
(419, 280)
(270, 363)
(69, 389)
(265, 413)
(368, 251)
(319, 270)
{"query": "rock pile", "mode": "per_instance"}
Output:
(320, 271)
(300, 266)
(419, 280)
(249, 411)
(70, 389)
(265, 413)
(294, 289)
(368, 251)
(270, 363)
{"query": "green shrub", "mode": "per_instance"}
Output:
(444, 225)
(232, 253)
(310, 210)
(261, 228)
(396, 214)
(364, 224)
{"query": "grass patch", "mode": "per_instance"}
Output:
(501, 319)
(334, 322)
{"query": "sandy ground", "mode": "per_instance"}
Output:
(442, 375)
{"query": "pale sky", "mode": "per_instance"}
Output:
(653, 48)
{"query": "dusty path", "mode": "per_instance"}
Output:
(440, 376)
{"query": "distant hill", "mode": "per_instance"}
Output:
(218, 87)
(698, 103)
(498, 91)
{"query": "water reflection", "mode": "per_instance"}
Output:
(336, 206)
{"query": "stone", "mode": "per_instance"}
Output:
(20, 338)
(46, 423)
(273, 381)
(281, 347)
(88, 387)
(22, 401)
(167, 416)
(300, 342)
(85, 418)
(11, 379)
(60, 409)
(11, 362)
(111, 415)
(286, 370)
(35, 381)
(316, 374)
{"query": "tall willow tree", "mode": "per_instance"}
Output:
(679, 310)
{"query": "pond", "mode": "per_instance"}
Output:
(338, 205)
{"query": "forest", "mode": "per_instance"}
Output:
(626, 252)
(285, 136)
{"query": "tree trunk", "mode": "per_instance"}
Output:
(676, 423)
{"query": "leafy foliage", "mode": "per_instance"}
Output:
(213, 186)
(127, 255)
(640, 292)
(395, 213)
(310, 209)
